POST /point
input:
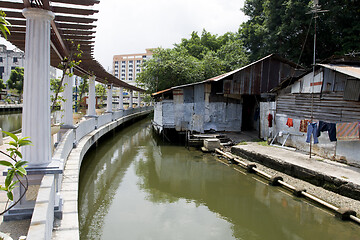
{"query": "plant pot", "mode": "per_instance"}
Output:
(99, 111)
(76, 118)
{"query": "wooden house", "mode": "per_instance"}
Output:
(331, 95)
(229, 102)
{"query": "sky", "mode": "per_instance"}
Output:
(127, 27)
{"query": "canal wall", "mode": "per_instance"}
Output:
(10, 107)
(69, 154)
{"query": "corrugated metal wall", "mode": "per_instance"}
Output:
(330, 107)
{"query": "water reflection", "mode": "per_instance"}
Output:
(133, 187)
(10, 121)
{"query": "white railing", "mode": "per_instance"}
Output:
(84, 128)
(65, 145)
(118, 114)
(104, 119)
(42, 221)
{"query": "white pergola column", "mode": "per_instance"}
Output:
(36, 104)
(109, 98)
(131, 99)
(92, 97)
(121, 98)
(139, 99)
(68, 96)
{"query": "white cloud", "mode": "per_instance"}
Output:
(132, 26)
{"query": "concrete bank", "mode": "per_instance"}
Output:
(68, 226)
(336, 177)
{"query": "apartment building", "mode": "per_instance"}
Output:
(9, 60)
(126, 67)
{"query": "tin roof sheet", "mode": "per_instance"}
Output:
(353, 71)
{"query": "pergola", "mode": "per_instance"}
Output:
(48, 31)
(73, 24)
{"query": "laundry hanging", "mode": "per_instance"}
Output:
(304, 125)
(348, 131)
(290, 122)
(329, 127)
(312, 129)
(270, 118)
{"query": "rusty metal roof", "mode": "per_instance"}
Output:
(73, 23)
(349, 70)
(225, 75)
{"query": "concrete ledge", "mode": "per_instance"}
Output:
(68, 227)
(318, 178)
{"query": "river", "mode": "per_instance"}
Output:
(133, 186)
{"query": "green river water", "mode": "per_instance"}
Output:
(135, 187)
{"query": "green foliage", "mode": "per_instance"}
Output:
(285, 27)
(66, 66)
(4, 24)
(193, 60)
(16, 80)
(15, 167)
(2, 85)
(55, 85)
(100, 91)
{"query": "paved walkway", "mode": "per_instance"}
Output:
(331, 175)
(14, 229)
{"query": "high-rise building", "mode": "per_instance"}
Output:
(126, 67)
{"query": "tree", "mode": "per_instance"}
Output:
(55, 85)
(100, 91)
(16, 80)
(83, 88)
(2, 85)
(285, 27)
(170, 67)
(4, 24)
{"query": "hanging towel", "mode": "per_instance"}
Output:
(348, 131)
(270, 118)
(312, 129)
(303, 125)
(329, 127)
(290, 122)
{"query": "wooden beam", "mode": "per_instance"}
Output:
(78, 2)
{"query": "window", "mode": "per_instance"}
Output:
(138, 61)
(123, 62)
(122, 70)
(130, 79)
(130, 75)
(131, 62)
(137, 70)
(123, 66)
(144, 56)
(131, 66)
(123, 75)
(116, 71)
(116, 63)
(138, 65)
(15, 59)
(122, 78)
(12, 68)
(1, 59)
(130, 70)
(116, 66)
(1, 72)
(116, 75)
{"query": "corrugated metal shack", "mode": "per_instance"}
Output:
(331, 96)
(229, 102)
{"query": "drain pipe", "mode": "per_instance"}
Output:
(342, 213)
